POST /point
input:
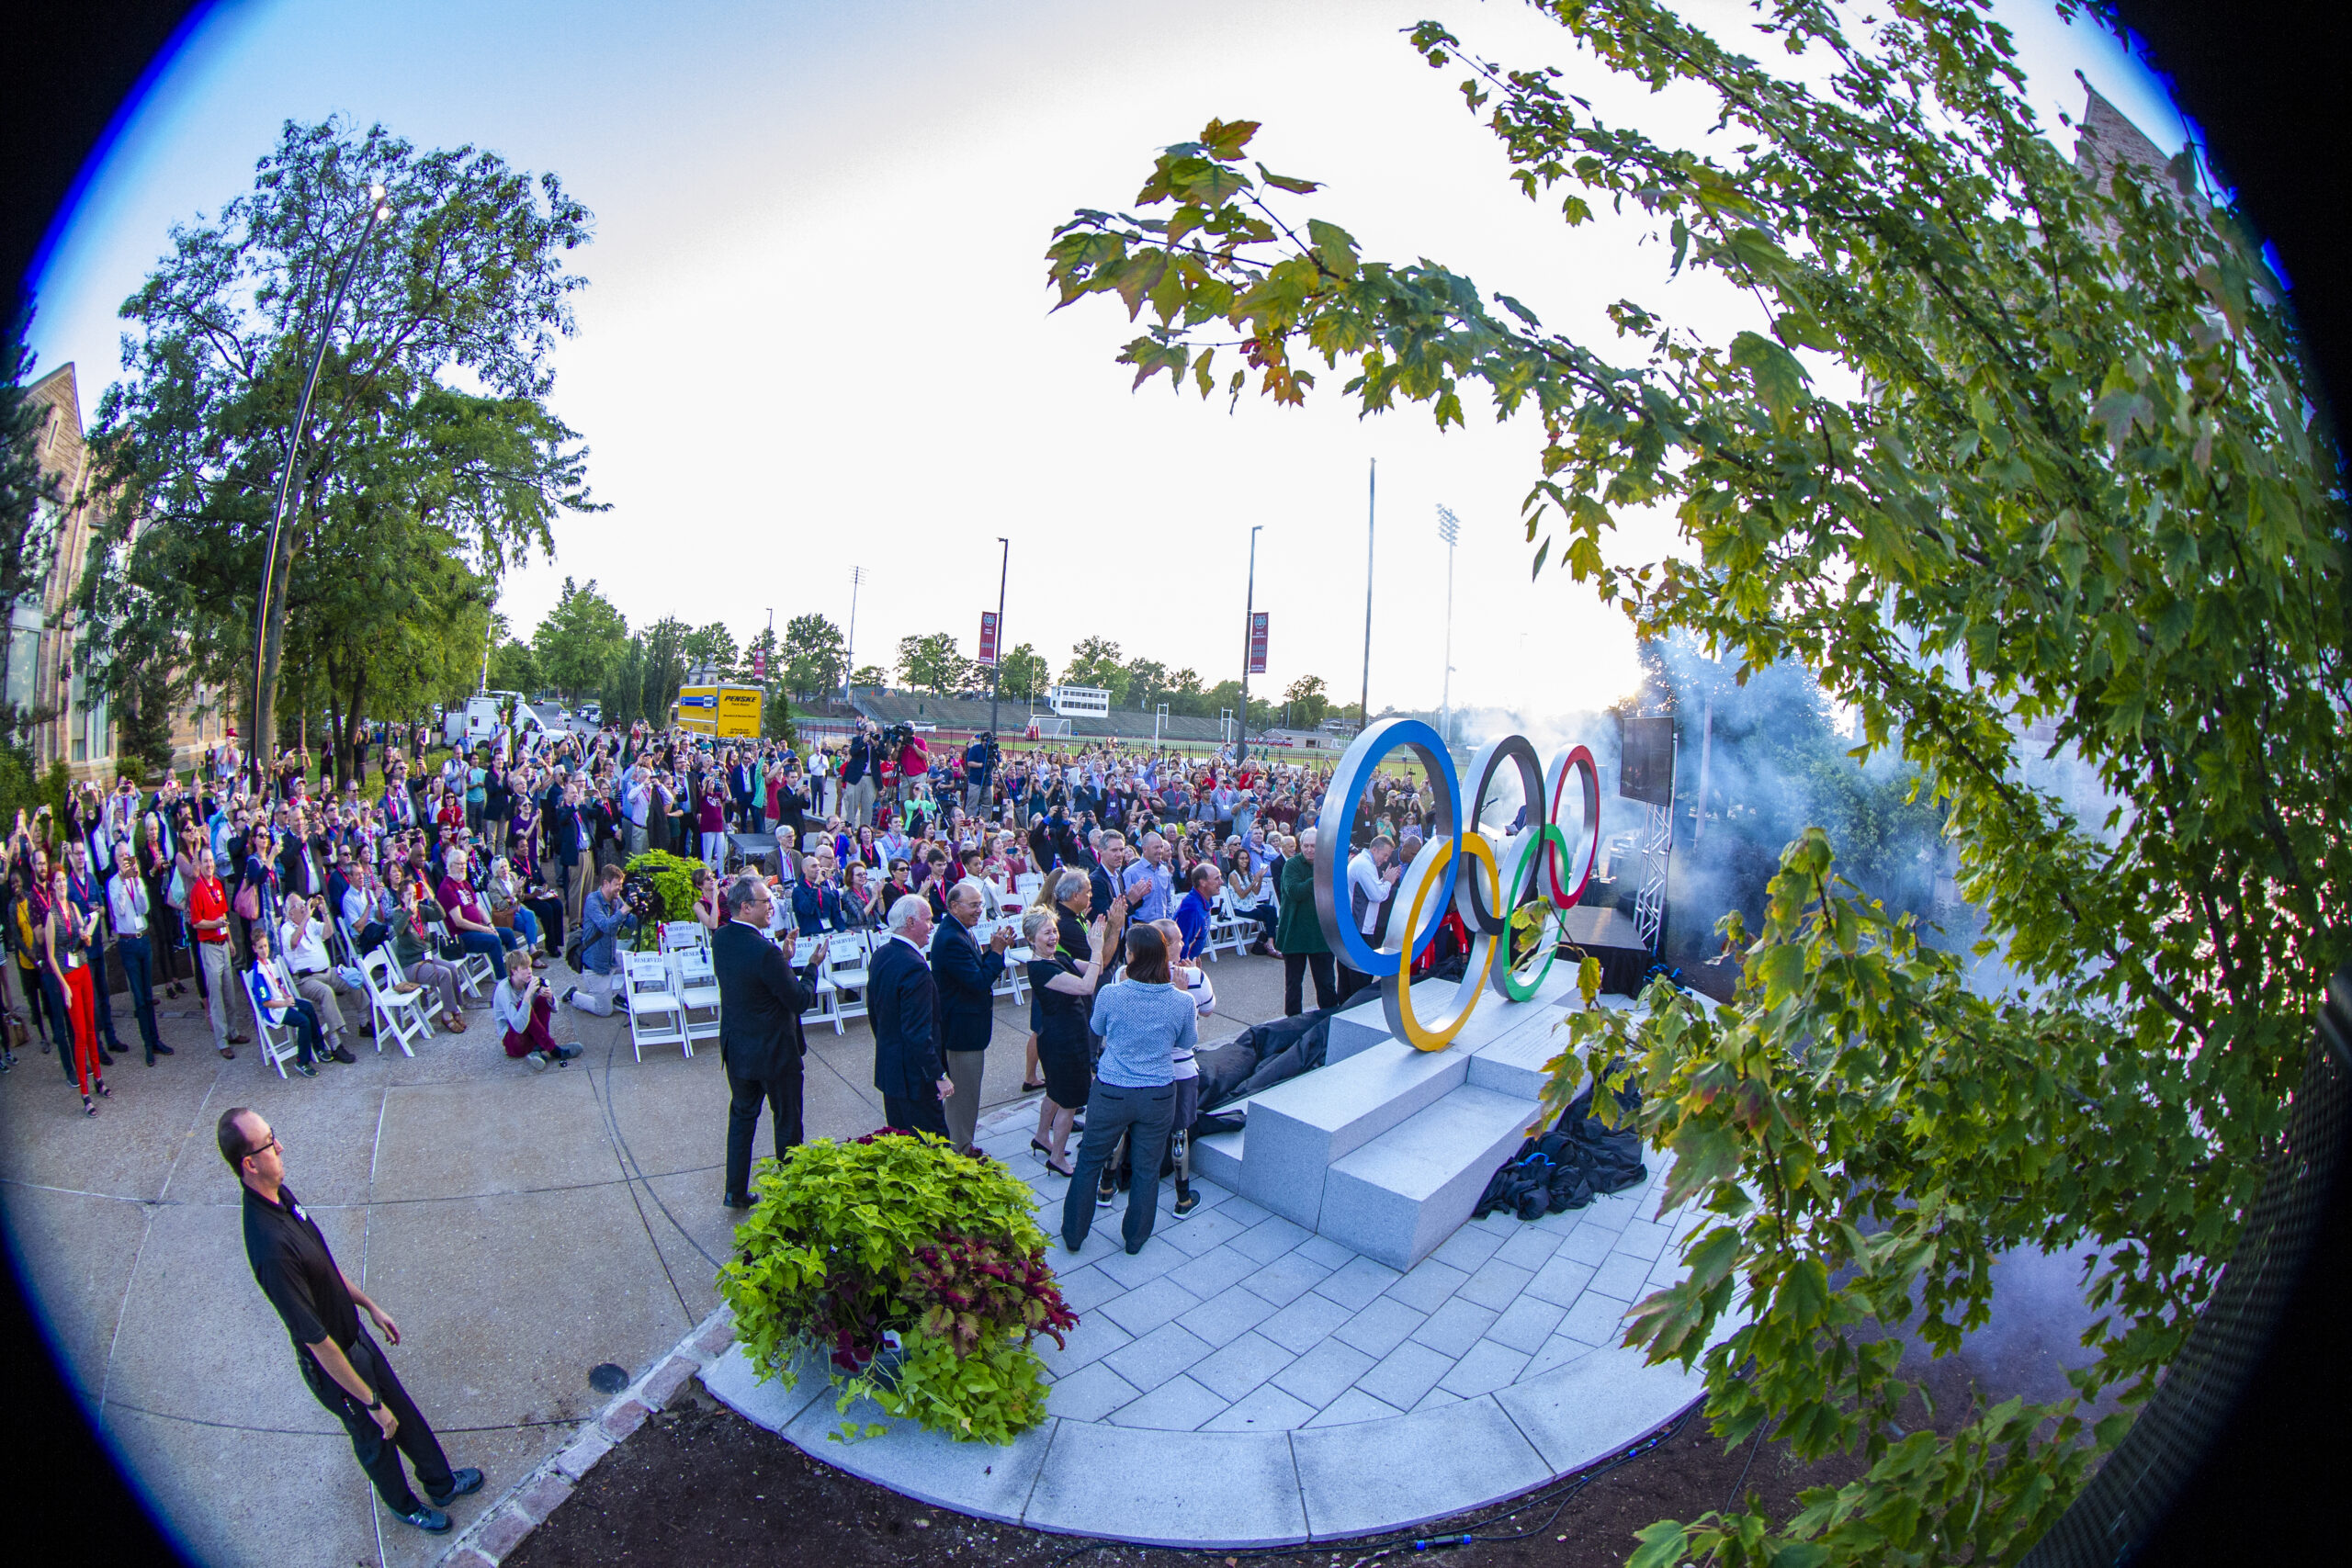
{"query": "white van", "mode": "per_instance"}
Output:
(478, 722)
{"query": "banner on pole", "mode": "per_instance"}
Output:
(1257, 642)
(760, 664)
(988, 636)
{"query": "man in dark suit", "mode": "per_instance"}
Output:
(739, 777)
(902, 1002)
(760, 1004)
(966, 973)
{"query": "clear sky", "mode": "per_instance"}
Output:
(816, 330)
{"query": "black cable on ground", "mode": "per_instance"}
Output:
(1389, 1542)
(1744, 1467)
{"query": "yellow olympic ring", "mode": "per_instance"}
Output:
(1395, 991)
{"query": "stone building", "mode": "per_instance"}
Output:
(42, 669)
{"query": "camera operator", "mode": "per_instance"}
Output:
(858, 773)
(603, 919)
(980, 762)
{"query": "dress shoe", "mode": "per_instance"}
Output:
(104, 1059)
(461, 1482)
(161, 1051)
(239, 1040)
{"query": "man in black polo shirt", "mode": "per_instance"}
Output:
(346, 1369)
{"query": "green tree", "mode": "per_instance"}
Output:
(1226, 697)
(462, 285)
(31, 503)
(813, 657)
(712, 645)
(1147, 681)
(1024, 675)
(580, 640)
(1095, 662)
(664, 670)
(143, 730)
(1185, 695)
(759, 662)
(929, 664)
(1307, 701)
(2010, 443)
(514, 667)
(621, 696)
(869, 675)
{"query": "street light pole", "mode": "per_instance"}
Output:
(849, 659)
(1371, 510)
(265, 660)
(996, 670)
(1248, 637)
(1449, 528)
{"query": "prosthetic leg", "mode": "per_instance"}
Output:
(1180, 1146)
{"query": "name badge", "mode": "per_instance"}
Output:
(300, 1216)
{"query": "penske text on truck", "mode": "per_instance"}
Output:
(725, 713)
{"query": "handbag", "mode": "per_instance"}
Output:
(176, 892)
(248, 902)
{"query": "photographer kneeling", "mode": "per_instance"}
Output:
(603, 919)
(522, 1005)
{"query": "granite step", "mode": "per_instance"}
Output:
(1397, 1197)
(1217, 1158)
(1300, 1127)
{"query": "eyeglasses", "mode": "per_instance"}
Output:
(262, 1148)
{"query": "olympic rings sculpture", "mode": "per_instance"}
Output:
(1486, 877)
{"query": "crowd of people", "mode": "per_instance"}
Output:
(258, 886)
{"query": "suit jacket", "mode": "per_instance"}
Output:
(903, 1003)
(294, 872)
(966, 973)
(760, 999)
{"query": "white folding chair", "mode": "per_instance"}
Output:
(1009, 983)
(656, 1017)
(845, 966)
(405, 1013)
(474, 971)
(277, 1046)
(1225, 923)
(679, 935)
(697, 992)
(340, 945)
(1025, 885)
(829, 998)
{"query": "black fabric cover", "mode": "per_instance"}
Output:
(1263, 1055)
(1567, 1166)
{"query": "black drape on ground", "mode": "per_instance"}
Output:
(1567, 1166)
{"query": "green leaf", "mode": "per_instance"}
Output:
(1663, 1545)
(1774, 372)
(1225, 140)
(1285, 182)
(1335, 248)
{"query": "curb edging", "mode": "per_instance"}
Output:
(526, 1505)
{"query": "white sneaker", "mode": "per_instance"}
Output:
(538, 1060)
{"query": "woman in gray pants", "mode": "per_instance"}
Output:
(1144, 1020)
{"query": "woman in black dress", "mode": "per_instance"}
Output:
(1066, 999)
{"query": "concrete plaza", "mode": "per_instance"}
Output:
(521, 1227)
